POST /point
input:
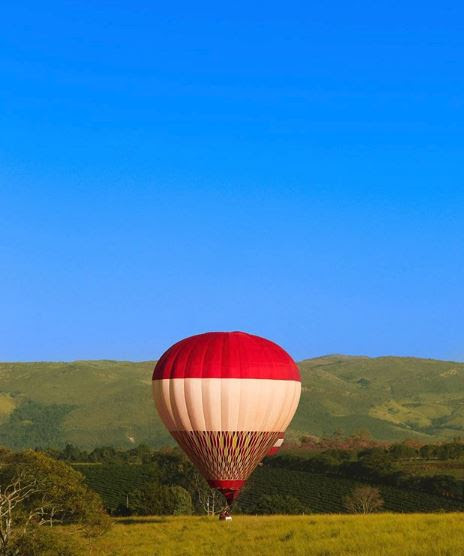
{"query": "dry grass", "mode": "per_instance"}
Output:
(329, 535)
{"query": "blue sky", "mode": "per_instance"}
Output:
(291, 169)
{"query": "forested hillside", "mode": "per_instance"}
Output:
(91, 403)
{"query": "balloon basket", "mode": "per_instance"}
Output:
(225, 515)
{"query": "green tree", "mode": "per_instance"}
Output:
(177, 501)
(155, 499)
(46, 541)
(37, 490)
(275, 504)
(428, 451)
(402, 451)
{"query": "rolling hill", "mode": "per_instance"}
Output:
(90, 403)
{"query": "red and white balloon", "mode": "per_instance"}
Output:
(227, 398)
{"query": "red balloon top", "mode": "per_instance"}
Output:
(226, 355)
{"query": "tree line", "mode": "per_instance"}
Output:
(337, 447)
(375, 464)
(380, 465)
(170, 468)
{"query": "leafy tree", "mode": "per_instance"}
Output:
(453, 450)
(323, 463)
(45, 541)
(175, 467)
(72, 453)
(177, 501)
(275, 504)
(402, 451)
(443, 485)
(375, 463)
(161, 500)
(141, 454)
(428, 451)
(105, 454)
(37, 490)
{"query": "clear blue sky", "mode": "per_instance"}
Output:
(292, 169)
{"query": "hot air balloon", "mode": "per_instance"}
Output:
(226, 397)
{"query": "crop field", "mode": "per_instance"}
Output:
(317, 493)
(114, 482)
(329, 535)
(324, 494)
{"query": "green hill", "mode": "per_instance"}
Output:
(391, 397)
(90, 403)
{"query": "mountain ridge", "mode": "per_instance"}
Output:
(102, 402)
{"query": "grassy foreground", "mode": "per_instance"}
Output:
(329, 535)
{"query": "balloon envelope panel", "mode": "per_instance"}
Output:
(277, 445)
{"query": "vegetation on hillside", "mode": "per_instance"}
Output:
(91, 403)
(87, 403)
(391, 397)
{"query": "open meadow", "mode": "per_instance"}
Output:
(330, 535)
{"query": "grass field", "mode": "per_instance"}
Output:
(329, 535)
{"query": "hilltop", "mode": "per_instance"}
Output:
(90, 403)
(391, 397)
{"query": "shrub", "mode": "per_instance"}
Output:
(161, 500)
(46, 541)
